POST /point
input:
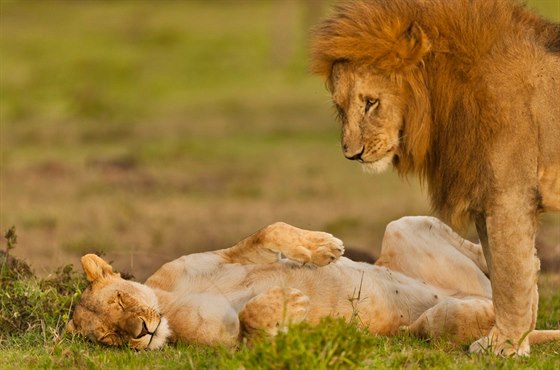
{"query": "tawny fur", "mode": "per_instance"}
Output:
(466, 96)
(427, 279)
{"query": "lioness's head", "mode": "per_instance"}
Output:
(373, 65)
(116, 312)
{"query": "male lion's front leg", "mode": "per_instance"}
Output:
(508, 237)
(300, 245)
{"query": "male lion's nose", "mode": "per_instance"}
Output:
(354, 156)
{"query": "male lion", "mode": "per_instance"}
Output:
(463, 93)
(219, 297)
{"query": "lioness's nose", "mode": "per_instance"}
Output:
(354, 156)
(144, 330)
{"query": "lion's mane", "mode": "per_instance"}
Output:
(438, 51)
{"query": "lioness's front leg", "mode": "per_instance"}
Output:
(459, 319)
(465, 319)
(508, 237)
(300, 245)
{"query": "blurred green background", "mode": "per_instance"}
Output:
(150, 129)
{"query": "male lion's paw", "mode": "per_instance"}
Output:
(494, 343)
(318, 248)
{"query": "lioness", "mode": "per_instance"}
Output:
(427, 279)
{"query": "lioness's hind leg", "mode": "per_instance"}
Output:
(486, 343)
(273, 310)
(459, 319)
(543, 336)
(428, 250)
(300, 245)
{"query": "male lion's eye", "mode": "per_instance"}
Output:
(371, 103)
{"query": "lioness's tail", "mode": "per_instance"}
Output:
(543, 336)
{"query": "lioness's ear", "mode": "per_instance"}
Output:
(96, 268)
(409, 49)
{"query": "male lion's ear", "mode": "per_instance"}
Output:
(408, 50)
(96, 268)
(337, 70)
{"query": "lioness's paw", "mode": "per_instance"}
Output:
(274, 310)
(316, 247)
(296, 305)
(493, 343)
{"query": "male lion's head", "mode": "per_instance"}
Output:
(373, 66)
(370, 108)
(116, 312)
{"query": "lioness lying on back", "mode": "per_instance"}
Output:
(427, 278)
